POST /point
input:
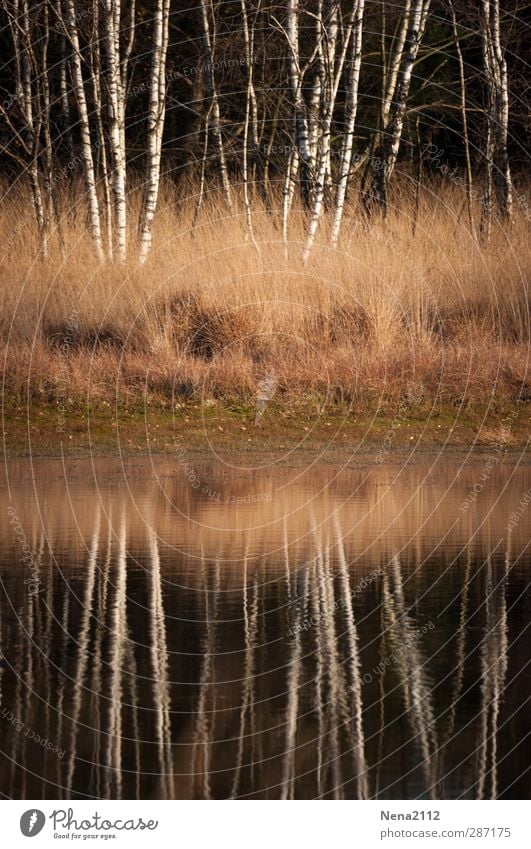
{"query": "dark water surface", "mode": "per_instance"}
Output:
(203, 631)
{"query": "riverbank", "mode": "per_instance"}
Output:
(211, 428)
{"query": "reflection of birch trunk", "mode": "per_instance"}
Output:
(381, 705)
(336, 691)
(202, 745)
(494, 649)
(97, 660)
(48, 618)
(130, 661)
(117, 652)
(82, 652)
(459, 672)
(159, 661)
(319, 680)
(287, 788)
(247, 707)
(355, 670)
(32, 640)
(410, 667)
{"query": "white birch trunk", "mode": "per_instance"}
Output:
(111, 24)
(301, 136)
(157, 100)
(210, 83)
(84, 129)
(498, 171)
(249, 127)
(327, 38)
(417, 17)
(464, 119)
(351, 110)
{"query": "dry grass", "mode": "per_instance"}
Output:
(209, 313)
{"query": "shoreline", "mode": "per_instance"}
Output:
(219, 430)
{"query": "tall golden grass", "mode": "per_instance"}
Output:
(212, 310)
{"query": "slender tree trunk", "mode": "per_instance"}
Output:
(45, 110)
(301, 137)
(498, 172)
(157, 101)
(289, 189)
(327, 41)
(212, 95)
(345, 161)
(250, 137)
(395, 61)
(66, 125)
(29, 97)
(464, 119)
(111, 25)
(417, 16)
(84, 129)
(96, 73)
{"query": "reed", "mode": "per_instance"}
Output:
(211, 310)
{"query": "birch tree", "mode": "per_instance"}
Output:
(213, 119)
(116, 82)
(250, 129)
(84, 128)
(345, 160)
(25, 147)
(414, 23)
(103, 167)
(464, 118)
(327, 31)
(156, 115)
(303, 158)
(498, 181)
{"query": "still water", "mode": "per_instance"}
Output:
(204, 630)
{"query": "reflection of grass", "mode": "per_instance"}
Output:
(157, 428)
(208, 316)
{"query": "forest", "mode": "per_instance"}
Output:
(195, 194)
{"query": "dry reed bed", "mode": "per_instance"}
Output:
(209, 312)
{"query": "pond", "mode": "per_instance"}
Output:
(214, 630)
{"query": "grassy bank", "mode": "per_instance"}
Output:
(432, 327)
(217, 429)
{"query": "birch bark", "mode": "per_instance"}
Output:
(213, 99)
(498, 170)
(111, 25)
(345, 162)
(416, 15)
(157, 101)
(84, 129)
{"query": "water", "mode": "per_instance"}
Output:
(207, 631)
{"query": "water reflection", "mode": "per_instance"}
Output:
(353, 635)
